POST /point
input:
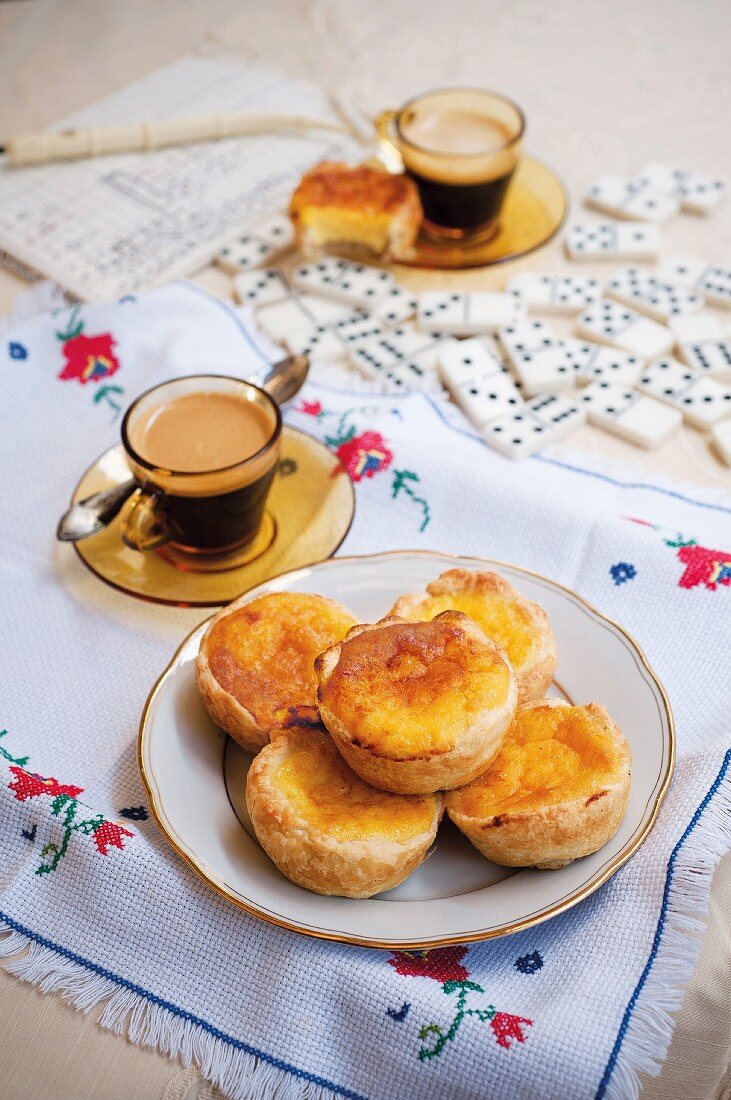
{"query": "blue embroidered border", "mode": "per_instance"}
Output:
(237, 1044)
(659, 930)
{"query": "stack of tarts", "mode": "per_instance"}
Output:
(365, 734)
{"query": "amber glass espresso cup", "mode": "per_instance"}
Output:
(203, 450)
(461, 147)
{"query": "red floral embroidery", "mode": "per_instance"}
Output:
(703, 566)
(507, 1027)
(365, 455)
(442, 964)
(27, 785)
(89, 358)
(310, 408)
(110, 835)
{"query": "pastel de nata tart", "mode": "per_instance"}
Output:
(325, 828)
(557, 790)
(517, 624)
(417, 707)
(257, 658)
(374, 210)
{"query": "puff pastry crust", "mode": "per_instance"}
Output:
(416, 707)
(517, 624)
(256, 659)
(325, 828)
(557, 790)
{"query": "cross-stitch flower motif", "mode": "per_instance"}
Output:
(89, 358)
(622, 572)
(110, 835)
(310, 408)
(703, 566)
(529, 964)
(17, 350)
(365, 455)
(27, 785)
(442, 964)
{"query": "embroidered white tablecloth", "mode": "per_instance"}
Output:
(107, 913)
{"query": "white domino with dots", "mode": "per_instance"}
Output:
(401, 355)
(609, 322)
(701, 400)
(696, 326)
(713, 281)
(709, 356)
(630, 415)
(538, 356)
(258, 246)
(696, 194)
(478, 379)
(721, 436)
(334, 340)
(301, 311)
(635, 199)
(539, 423)
(468, 314)
(593, 361)
(396, 306)
(260, 288)
(613, 241)
(355, 284)
(555, 293)
(645, 292)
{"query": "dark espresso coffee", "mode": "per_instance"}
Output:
(212, 466)
(462, 162)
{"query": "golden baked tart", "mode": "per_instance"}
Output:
(557, 790)
(324, 827)
(337, 204)
(417, 707)
(515, 623)
(257, 658)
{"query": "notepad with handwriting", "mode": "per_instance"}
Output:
(114, 225)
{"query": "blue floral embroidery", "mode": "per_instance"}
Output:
(529, 964)
(399, 1014)
(134, 813)
(622, 572)
(17, 351)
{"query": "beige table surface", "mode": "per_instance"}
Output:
(606, 86)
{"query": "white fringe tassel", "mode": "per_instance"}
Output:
(238, 1074)
(650, 1029)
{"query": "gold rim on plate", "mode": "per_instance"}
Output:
(573, 899)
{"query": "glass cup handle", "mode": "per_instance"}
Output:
(387, 148)
(144, 525)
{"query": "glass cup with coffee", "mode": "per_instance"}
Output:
(204, 450)
(461, 147)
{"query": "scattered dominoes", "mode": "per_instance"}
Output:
(467, 314)
(396, 306)
(478, 379)
(541, 422)
(721, 436)
(695, 193)
(555, 293)
(538, 357)
(711, 356)
(260, 288)
(701, 400)
(259, 246)
(632, 199)
(613, 241)
(352, 283)
(650, 295)
(612, 323)
(711, 280)
(301, 311)
(593, 361)
(629, 414)
(396, 348)
(333, 340)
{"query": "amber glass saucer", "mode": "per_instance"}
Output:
(535, 209)
(309, 512)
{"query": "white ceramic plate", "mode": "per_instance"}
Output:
(195, 776)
